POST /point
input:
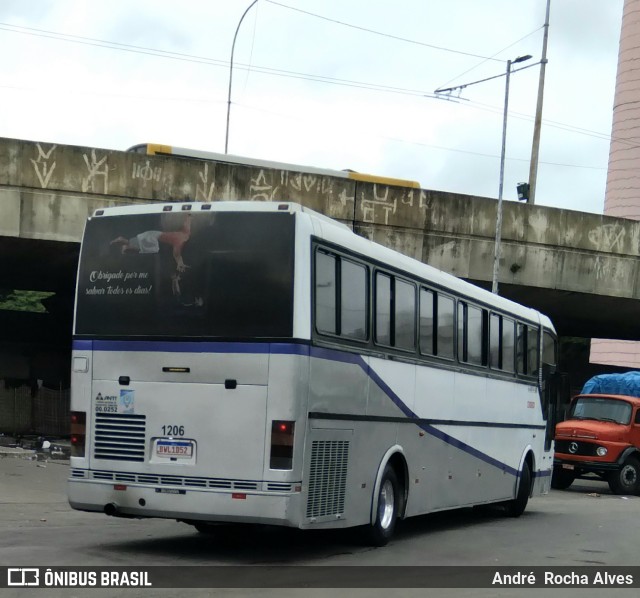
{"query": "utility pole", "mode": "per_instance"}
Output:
(497, 250)
(533, 168)
(497, 247)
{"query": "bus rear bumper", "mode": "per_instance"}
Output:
(140, 501)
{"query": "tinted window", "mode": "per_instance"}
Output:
(549, 348)
(446, 326)
(508, 344)
(383, 309)
(206, 274)
(532, 351)
(521, 348)
(495, 342)
(325, 299)
(427, 321)
(353, 300)
(405, 315)
(474, 335)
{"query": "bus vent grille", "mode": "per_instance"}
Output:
(278, 487)
(119, 436)
(327, 477)
(245, 485)
(78, 473)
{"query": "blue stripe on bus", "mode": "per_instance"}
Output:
(435, 432)
(192, 347)
(295, 349)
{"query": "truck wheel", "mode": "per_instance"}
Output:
(562, 478)
(516, 507)
(388, 500)
(627, 479)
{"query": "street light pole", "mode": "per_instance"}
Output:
(535, 147)
(233, 47)
(498, 243)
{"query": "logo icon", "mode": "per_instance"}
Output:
(573, 448)
(23, 576)
(127, 401)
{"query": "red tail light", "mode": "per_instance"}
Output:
(78, 433)
(281, 445)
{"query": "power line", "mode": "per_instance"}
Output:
(380, 33)
(492, 57)
(430, 145)
(71, 38)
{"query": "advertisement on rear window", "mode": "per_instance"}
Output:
(226, 274)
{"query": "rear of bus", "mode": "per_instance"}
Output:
(186, 381)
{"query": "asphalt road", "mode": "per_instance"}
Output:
(583, 526)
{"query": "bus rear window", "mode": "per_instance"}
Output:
(214, 274)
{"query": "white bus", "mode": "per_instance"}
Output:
(259, 362)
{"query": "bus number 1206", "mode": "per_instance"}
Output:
(171, 430)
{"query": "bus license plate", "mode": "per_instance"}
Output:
(181, 449)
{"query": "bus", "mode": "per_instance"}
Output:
(158, 149)
(259, 362)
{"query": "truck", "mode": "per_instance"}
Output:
(600, 436)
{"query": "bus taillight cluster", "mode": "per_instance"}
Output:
(78, 433)
(281, 445)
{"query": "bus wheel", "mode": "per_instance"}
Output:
(388, 500)
(516, 507)
(562, 478)
(627, 479)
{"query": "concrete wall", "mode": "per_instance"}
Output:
(48, 190)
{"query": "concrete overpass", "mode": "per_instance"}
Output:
(583, 270)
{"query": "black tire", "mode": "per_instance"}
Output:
(516, 507)
(627, 479)
(562, 478)
(381, 531)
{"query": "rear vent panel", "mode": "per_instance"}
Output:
(119, 437)
(327, 478)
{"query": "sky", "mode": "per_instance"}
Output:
(328, 83)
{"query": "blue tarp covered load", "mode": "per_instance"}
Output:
(614, 384)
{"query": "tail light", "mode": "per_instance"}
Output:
(281, 445)
(78, 433)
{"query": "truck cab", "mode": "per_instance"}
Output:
(601, 435)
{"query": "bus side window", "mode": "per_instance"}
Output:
(549, 349)
(508, 344)
(495, 342)
(445, 312)
(405, 315)
(353, 300)
(326, 293)
(427, 322)
(521, 344)
(383, 309)
(472, 335)
(533, 352)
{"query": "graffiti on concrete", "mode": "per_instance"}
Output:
(262, 189)
(205, 191)
(97, 168)
(42, 165)
(385, 200)
(608, 237)
(146, 172)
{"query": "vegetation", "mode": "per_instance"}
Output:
(31, 301)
